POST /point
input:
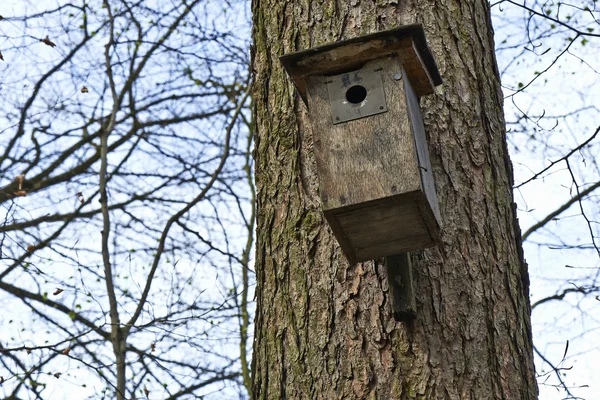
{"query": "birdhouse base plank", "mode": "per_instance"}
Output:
(384, 227)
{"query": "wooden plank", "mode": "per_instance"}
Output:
(401, 287)
(383, 227)
(418, 75)
(369, 158)
(416, 121)
(408, 42)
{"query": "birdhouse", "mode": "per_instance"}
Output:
(375, 178)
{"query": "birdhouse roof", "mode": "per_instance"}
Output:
(408, 42)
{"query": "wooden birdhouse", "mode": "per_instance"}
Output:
(375, 178)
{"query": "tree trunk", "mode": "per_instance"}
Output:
(324, 327)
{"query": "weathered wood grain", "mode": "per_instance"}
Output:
(370, 173)
(407, 41)
(400, 281)
(418, 130)
(368, 158)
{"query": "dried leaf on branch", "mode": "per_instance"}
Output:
(48, 42)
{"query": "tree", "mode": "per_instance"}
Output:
(323, 327)
(126, 190)
(547, 52)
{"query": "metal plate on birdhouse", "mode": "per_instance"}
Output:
(356, 94)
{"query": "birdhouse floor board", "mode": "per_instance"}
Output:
(384, 227)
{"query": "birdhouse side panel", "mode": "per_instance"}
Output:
(416, 120)
(369, 158)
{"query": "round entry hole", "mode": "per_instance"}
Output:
(356, 94)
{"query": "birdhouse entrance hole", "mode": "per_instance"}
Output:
(356, 94)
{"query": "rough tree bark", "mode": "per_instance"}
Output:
(324, 328)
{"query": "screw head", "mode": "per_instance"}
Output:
(397, 76)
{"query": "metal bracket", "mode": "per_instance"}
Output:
(400, 281)
(356, 94)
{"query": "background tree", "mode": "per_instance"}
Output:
(324, 326)
(127, 196)
(548, 53)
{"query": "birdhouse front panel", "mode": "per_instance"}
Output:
(367, 159)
